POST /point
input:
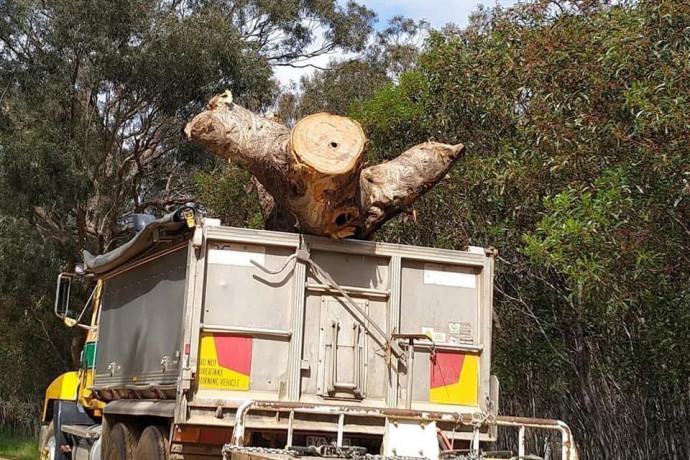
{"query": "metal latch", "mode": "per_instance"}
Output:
(166, 361)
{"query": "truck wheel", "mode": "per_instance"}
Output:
(153, 444)
(48, 443)
(122, 442)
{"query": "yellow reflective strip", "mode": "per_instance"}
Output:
(466, 391)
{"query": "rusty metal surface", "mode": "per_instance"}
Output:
(380, 412)
(234, 452)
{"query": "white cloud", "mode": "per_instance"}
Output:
(287, 74)
(437, 12)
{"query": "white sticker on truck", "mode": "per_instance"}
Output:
(240, 256)
(444, 275)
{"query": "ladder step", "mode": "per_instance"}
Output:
(83, 431)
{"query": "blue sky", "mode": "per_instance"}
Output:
(436, 12)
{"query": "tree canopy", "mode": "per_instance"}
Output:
(575, 116)
(96, 92)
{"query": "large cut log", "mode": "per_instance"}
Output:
(311, 179)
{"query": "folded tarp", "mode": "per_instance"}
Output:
(168, 229)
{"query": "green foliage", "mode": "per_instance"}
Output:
(395, 113)
(33, 342)
(226, 196)
(347, 83)
(575, 117)
(334, 91)
(95, 93)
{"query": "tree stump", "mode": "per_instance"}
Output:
(327, 151)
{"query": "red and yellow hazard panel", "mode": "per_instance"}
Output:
(454, 379)
(225, 362)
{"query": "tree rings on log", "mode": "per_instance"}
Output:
(328, 151)
(329, 144)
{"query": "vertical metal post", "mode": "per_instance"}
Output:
(521, 441)
(484, 333)
(291, 419)
(197, 299)
(240, 417)
(341, 426)
(410, 373)
(298, 306)
(475, 440)
(394, 304)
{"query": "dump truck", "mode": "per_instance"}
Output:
(207, 341)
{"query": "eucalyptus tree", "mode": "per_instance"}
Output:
(575, 116)
(94, 95)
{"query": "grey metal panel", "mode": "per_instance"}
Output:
(243, 235)
(310, 348)
(355, 270)
(437, 305)
(238, 294)
(316, 352)
(377, 376)
(269, 365)
(350, 271)
(392, 279)
(141, 323)
(343, 355)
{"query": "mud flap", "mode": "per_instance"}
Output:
(67, 413)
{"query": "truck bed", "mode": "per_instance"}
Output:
(340, 336)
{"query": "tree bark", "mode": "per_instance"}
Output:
(311, 179)
(388, 188)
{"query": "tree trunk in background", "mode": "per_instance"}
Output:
(311, 179)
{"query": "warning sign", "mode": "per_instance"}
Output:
(224, 362)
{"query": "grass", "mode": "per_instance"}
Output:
(17, 446)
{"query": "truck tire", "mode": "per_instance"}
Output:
(48, 443)
(153, 444)
(122, 442)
